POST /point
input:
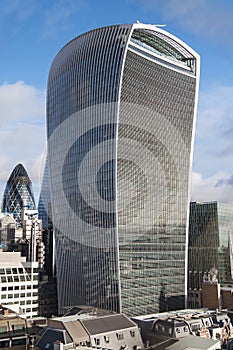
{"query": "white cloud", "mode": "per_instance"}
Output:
(214, 132)
(215, 107)
(217, 187)
(213, 151)
(22, 130)
(21, 102)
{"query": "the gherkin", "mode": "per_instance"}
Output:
(18, 194)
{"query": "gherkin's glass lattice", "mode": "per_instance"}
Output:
(18, 194)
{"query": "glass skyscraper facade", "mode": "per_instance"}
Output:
(44, 201)
(121, 105)
(18, 194)
(210, 243)
(44, 214)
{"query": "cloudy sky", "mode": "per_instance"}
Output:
(33, 31)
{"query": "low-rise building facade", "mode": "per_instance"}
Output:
(112, 331)
(19, 283)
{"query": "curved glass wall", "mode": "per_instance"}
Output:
(120, 133)
(85, 74)
(18, 194)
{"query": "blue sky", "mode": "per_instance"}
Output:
(33, 31)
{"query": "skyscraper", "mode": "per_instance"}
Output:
(210, 243)
(121, 105)
(44, 202)
(18, 194)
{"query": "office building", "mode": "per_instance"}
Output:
(19, 283)
(48, 287)
(18, 194)
(44, 203)
(8, 228)
(16, 331)
(44, 214)
(32, 235)
(210, 243)
(121, 106)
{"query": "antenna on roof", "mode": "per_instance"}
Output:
(155, 25)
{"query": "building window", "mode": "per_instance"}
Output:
(20, 327)
(97, 341)
(16, 342)
(195, 326)
(106, 338)
(4, 343)
(120, 336)
(132, 333)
